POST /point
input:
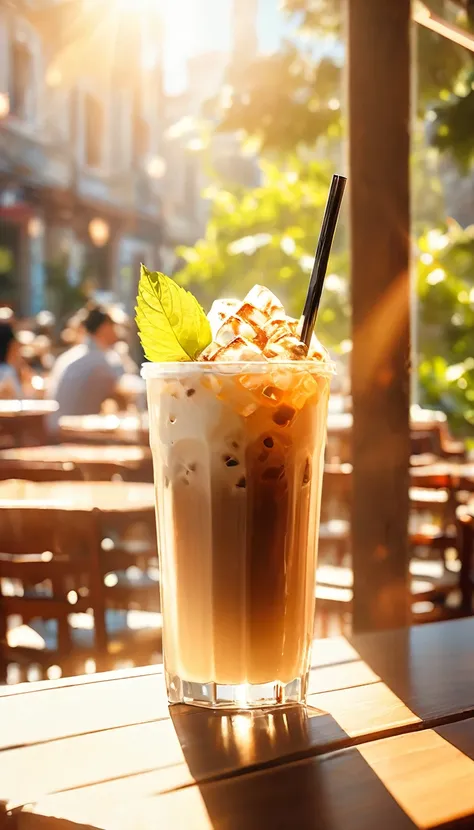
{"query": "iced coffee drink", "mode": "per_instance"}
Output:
(238, 438)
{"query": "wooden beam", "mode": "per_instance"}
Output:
(379, 104)
(425, 17)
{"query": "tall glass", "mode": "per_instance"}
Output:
(238, 462)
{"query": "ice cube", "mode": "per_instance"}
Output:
(306, 387)
(317, 350)
(237, 351)
(238, 326)
(287, 347)
(220, 311)
(275, 328)
(283, 378)
(240, 399)
(210, 351)
(295, 326)
(234, 327)
(284, 415)
(215, 384)
(264, 299)
(251, 314)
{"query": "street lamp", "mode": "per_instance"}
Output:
(99, 232)
(4, 105)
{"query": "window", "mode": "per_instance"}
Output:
(141, 138)
(23, 70)
(94, 125)
(120, 132)
(21, 80)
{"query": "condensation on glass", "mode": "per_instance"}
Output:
(238, 459)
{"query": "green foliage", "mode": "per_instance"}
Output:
(453, 125)
(446, 337)
(439, 62)
(63, 298)
(268, 235)
(317, 15)
(285, 100)
(290, 101)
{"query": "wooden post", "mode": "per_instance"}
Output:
(379, 104)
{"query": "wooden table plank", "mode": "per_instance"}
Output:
(117, 728)
(418, 780)
(97, 707)
(78, 454)
(429, 669)
(106, 496)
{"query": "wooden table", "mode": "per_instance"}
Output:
(423, 422)
(23, 423)
(387, 741)
(450, 475)
(122, 428)
(106, 496)
(93, 462)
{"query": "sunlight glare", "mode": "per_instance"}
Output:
(134, 6)
(401, 766)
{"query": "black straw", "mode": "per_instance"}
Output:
(318, 274)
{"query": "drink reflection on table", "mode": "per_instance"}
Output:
(217, 744)
(214, 742)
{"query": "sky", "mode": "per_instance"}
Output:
(196, 26)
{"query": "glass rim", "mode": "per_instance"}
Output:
(157, 370)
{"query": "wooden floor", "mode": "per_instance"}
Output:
(387, 741)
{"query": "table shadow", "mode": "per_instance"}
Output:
(218, 743)
(245, 766)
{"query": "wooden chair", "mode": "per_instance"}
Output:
(432, 533)
(429, 433)
(129, 562)
(49, 548)
(465, 527)
(54, 565)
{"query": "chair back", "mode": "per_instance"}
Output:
(50, 569)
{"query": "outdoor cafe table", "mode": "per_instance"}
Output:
(421, 421)
(118, 429)
(22, 422)
(90, 460)
(105, 496)
(387, 741)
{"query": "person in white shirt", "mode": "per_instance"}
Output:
(89, 373)
(10, 361)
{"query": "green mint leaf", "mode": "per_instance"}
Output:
(171, 323)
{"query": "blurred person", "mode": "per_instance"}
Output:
(10, 362)
(73, 331)
(43, 350)
(89, 373)
(6, 314)
(45, 323)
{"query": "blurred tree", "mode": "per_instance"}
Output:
(287, 103)
(446, 342)
(285, 100)
(268, 235)
(292, 98)
(454, 114)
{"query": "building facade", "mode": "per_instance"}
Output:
(197, 156)
(78, 159)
